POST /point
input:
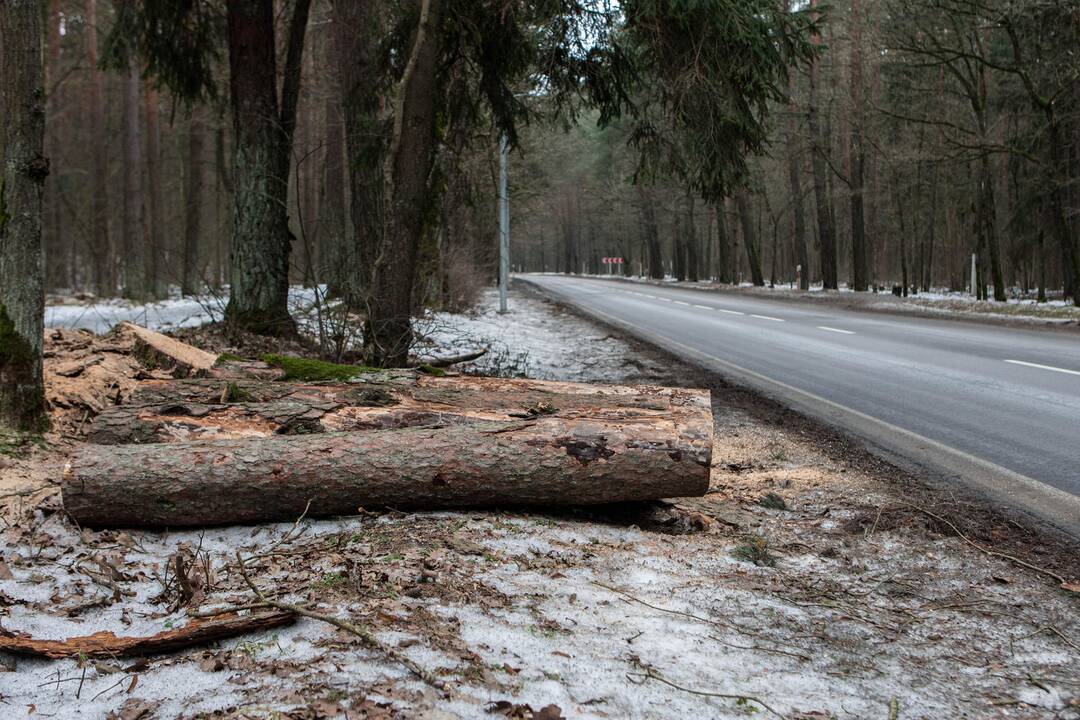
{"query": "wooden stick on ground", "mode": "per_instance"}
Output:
(107, 644)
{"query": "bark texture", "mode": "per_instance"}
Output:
(410, 159)
(23, 169)
(435, 443)
(190, 280)
(263, 134)
(753, 259)
(359, 28)
(166, 411)
(822, 197)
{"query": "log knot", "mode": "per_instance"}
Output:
(585, 451)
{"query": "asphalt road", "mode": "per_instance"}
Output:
(992, 409)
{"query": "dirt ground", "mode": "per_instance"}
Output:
(813, 581)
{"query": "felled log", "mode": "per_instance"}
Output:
(197, 409)
(569, 456)
(106, 644)
(161, 351)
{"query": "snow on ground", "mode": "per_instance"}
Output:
(536, 338)
(170, 314)
(846, 602)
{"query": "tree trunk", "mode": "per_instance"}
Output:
(262, 241)
(358, 33)
(723, 244)
(23, 169)
(988, 226)
(826, 226)
(157, 250)
(190, 280)
(411, 156)
(693, 255)
(337, 261)
(749, 239)
(799, 221)
(497, 442)
(652, 234)
(132, 241)
(101, 252)
(857, 153)
(59, 249)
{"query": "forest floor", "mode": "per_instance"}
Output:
(939, 303)
(813, 581)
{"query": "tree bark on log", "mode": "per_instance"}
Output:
(547, 461)
(163, 411)
(480, 442)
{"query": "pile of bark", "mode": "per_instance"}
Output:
(228, 443)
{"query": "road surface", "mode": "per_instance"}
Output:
(993, 409)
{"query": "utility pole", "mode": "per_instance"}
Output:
(504, 224)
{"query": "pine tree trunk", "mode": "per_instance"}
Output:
(338, 264)
(820, 142)
(23, 169)
(693, 254)
(101, 251)
(190, 281)
(132, 240)
(411, 156)
(157, 249)
(58, 248)
(799, 221)
(723, 243)
(859, 265)
(750, 239)
(358, 31)
(262, 241)
(651, 230)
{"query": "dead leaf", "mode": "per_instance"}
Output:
(1073, 587)
(5, 571)
(549, 712)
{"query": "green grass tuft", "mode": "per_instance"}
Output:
(297, 368)
(431, 370)
(235, 394)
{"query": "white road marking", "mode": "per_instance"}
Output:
(835, 330)
(729, 312)
(766, 317)
(662, 299)
(703, 307)
(1044, 367)
(680, 302)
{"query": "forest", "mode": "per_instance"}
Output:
(238, 148)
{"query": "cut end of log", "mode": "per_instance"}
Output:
(157, 350)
